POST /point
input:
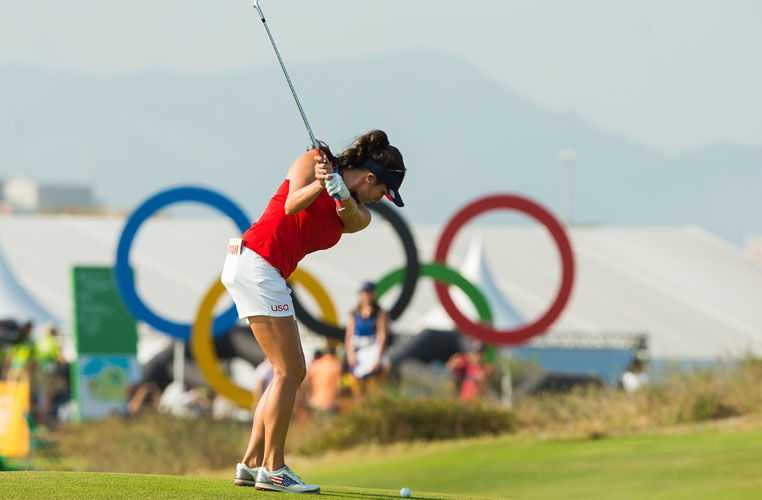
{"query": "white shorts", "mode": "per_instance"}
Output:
(256, 286)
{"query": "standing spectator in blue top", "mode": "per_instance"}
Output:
(365, 342)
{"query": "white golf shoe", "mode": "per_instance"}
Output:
(283, 479)
(246, 476)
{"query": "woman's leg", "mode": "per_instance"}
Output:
(279, 339)
(377, 380)
(256, 449)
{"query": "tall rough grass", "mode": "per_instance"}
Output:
(384, 420)
(154, 443)
(720, 392)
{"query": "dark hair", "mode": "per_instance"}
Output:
(374, 145)
(374, 308)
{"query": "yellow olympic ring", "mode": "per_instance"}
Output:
(203, 347)
(319, 293)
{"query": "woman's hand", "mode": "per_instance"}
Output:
(304, 183)
(336, 187)
(323, 169)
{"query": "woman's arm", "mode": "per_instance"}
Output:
(381, 335)
(307, 177)
(348, 347)
(354, 216)
(304, 184)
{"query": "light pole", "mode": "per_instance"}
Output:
(566, 157)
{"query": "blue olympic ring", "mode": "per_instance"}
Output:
(124, 280)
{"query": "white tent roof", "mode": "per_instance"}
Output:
(16, 303)
(696, 296)
(476, 268)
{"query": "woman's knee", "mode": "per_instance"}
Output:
(293, 372)
(298, 372)
(279, 339)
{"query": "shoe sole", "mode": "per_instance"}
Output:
(243, 482)
(281, 489)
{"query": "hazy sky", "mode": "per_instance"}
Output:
(672, 75)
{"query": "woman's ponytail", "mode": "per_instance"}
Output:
(374, 145)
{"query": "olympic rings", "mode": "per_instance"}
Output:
(328, 310)
(123, 274)
(441, 272)
(206, 356)
(412, 271)
(203, 347)
(200, 333)
(408, 275)
(517, 335)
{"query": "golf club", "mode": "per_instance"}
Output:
(315, 145)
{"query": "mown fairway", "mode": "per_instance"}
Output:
(708, 462)
(96, 486)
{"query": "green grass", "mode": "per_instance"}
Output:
(712, 461)
(707, 463)
(95, 486)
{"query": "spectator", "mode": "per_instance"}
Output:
(471, 371)
(20, 362)
(48, 357)
(147, 392)
(10, 333)
(365, 342)
(186, 404)
(635, 377)
(323, 378)
(61, 405)
(263, 375)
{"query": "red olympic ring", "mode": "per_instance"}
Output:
(521, 204)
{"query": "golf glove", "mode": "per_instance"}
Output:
(335, 186)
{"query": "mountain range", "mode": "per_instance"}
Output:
(462, 134)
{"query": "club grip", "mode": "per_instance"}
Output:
(336, 197)
(339, 203)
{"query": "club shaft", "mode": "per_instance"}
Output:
(288, 79)
(339, 203)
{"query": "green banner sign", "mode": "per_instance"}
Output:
(106, 338)
(102, 324)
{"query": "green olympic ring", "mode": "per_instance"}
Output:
(440, 272)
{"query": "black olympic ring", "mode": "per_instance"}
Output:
(412, 273)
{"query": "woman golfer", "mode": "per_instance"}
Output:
(365, 341)
(301, 218)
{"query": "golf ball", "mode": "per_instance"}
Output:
(405, 492)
